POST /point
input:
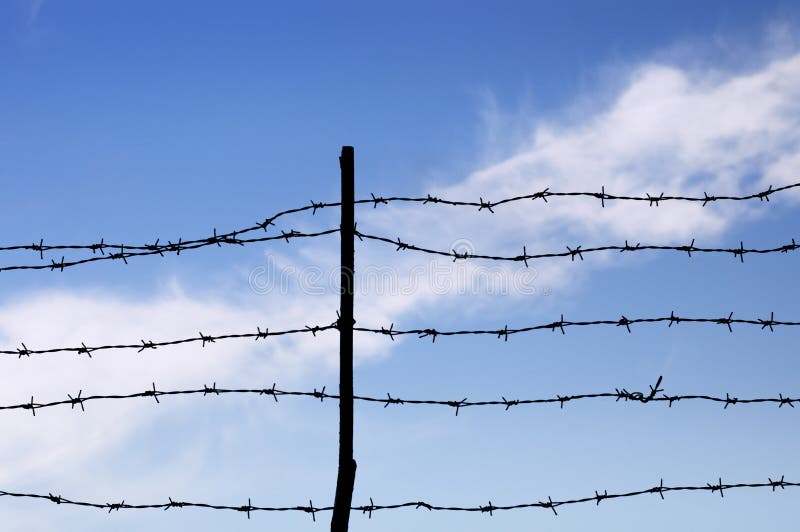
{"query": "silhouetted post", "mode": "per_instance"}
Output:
(347, 465)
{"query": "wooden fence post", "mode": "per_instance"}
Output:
(347, 465)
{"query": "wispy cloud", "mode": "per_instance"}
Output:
(669, 129)
(34, 9)
(42, 444)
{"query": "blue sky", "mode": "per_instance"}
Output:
(133, 121)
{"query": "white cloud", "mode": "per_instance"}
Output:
(668, 130)
(54, 441)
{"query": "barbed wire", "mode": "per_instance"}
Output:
(157, 249)
(561, 324)
(619, 394)
(233, 237)
(652, 200)
(550, 504)
(503, 333)
(578, 251)
(660, 489)
(205, 339)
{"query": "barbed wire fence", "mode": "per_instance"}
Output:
(345, 326)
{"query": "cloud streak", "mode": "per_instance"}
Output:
(668, 130)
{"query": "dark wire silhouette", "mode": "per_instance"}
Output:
(122, 251)
(660, 489)
(578, 251)
(619, 394)
(501, 333)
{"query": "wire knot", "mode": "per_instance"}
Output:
(291, 234)
(99, 247)
(316, 206)
(486, 205)
(112, 256)
(30, 406)
(433, 333)
(602, 196)
(153, 248)
(457, 255)
(247, 508)
(653, 391)
(457, 404)
(173, 504)
(543, 195)
(790, 247)
(77, 400)
(115, 506)
(511, 403)
(270, 391)
(310, 509)
(231, 239)
(777, 483)
(630, 248)
(23, 352)
(659, 489)
(726, 321)
(717, 487)
(626, 395)
(392, 400)
(368, 509)
(654, 200)
(599, 497)
(319, 394)
(214, 239)
(57, 265)
(558, 325)
(688, 249)
(729, 401)
(389, 332)
(739, 252)
(785, 401)
(150, 345)
(562, 400)
(206, 339)
(549, 504)
(375, 201)
(765, 194)
(503, 333)
(524, 257)
(176, 247)
(39, 247)
(768, 323)
(153, 393)
(576, 251)
(266, 223)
